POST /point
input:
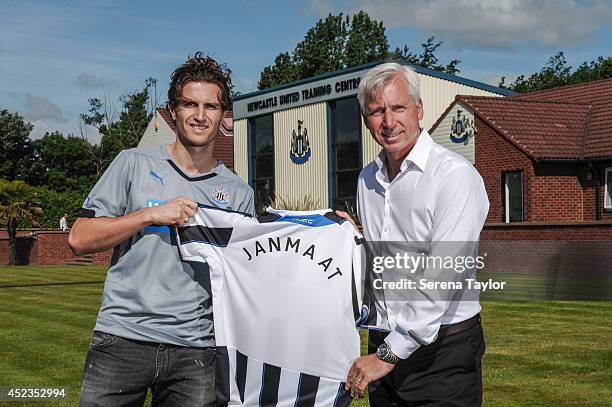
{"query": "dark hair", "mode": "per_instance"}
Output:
(200, 68)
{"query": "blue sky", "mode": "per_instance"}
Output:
(55, 55)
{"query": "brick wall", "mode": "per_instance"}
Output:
(51, 247)
(494, 155)
(557, 194)
(552, 191)
(102, 258)
(548, 231)
(559, 249)
(44, 247)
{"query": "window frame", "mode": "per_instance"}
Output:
(334, 171)
(607, 191)
(254, 156)
(506, 198)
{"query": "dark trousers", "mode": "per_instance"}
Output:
(444, 373)
(118, 372)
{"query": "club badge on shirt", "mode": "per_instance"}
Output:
(220, 196)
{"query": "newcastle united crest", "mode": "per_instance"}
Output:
(220, 196)
(462, 129)
(300, 146)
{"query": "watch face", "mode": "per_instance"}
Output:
(381, 352)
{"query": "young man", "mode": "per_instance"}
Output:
(154, 329)
(417, 192)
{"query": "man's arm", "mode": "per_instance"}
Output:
(91, 235)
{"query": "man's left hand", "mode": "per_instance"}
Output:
(365, 370)
(346, 216)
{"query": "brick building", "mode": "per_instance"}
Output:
(546, 160)
(545, 157)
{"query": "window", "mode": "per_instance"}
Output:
(345, 153)
(513, 197)
(608, 189)
(262, 160)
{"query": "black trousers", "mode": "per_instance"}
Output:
(445, 373)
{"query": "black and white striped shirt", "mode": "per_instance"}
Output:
(287, 293)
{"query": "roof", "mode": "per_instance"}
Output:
(598, 130)
(417, 68)
(224, 143)
(571, 122)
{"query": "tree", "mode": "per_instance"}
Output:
(15, 147)
(283, 71)
(595, 70)
(339, 42)
(18, 202)
(427, 58)
(322, 49)
(63, 163)
(366, 41)
(119, 133)
(334, 43)
(558, 73)
(54, 204)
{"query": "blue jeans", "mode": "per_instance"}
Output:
(118, 372)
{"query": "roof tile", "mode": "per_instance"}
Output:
(571, 122)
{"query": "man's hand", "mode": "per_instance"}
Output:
(347, 217)
(365, 370)
(176, 212)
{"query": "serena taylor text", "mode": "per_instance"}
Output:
(424, 284)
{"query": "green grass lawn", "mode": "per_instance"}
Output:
(538, 353)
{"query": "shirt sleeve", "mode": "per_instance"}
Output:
(248, 205)
(209, 231)
(109, 197)
(460, 212)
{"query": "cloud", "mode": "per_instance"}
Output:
(494, 79)
(40, 129)
(503, 24)
(88, 81)
(319, 8)
(244, 84)
(40, 108)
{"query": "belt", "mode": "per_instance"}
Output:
(452, 329)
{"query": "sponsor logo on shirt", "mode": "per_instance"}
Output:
(158, 229)
(220, 196)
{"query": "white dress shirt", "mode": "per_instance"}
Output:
(438, 196)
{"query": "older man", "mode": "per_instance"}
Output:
(416, 191)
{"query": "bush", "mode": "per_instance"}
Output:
(54, 204)
(306, 203)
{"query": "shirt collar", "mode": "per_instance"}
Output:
(418, 155)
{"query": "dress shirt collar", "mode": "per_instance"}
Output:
(418, 156)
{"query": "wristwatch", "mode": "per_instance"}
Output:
(384, 353)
